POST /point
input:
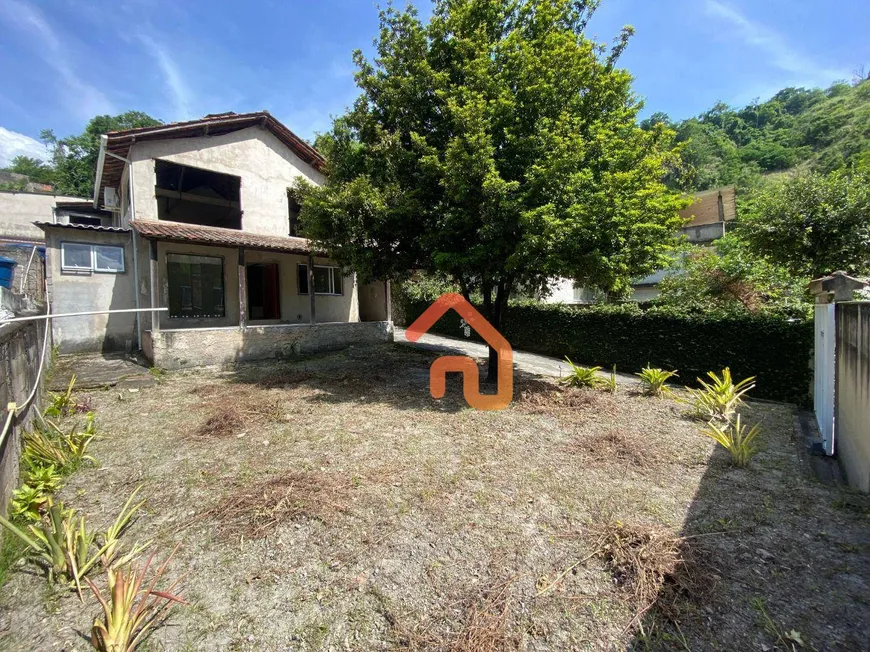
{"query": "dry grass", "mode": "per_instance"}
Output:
(232, 410)
(252, 511)
(486, 625)
(614, 445)
(546, 397)
(655, 568)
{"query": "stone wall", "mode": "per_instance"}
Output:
(20, 350)
(196, 347)
(34, 284)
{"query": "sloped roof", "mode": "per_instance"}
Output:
(705, 206)
(119, 142)
(84, 227)
(212, 235)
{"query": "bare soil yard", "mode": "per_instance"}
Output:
(332, 504)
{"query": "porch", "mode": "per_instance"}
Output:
(232, 296)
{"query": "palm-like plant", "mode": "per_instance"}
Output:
(582, 376)
(736, 439)
(112, 535)
(129, 610)
(653, 380)
(720, 398)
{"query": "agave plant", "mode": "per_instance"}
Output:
(582, 376)
(129, 610)
(653, 380)
(62, 544)
(736, 439)
(720, 398)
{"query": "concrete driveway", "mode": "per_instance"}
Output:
(532, 363)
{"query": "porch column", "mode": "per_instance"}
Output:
(388, 300)
(311, 287)
(155, 286)
(243, 291)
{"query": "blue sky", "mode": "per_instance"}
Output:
(64, 61)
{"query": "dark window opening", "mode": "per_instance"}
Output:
(264, 297)
(327, 280)
(294, 209)
(81, 219)
(196, 286)
(195, 196)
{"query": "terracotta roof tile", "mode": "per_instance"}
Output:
(177, 231)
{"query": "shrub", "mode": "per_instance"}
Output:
(582, 376)
(774, 347)
(61, 404)
(609, 383)
(654, 379)
(720, 398)
(27, 501)
(735, 438)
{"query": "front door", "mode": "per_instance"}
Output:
(263, 295)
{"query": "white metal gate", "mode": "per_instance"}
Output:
(823, 378)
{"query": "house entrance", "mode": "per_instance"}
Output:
(263, 295)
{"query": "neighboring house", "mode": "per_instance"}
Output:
(202, 222)
(708, 216)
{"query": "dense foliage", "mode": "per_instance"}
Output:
(36, 170)
(498, 146)
(74, 158)
(811, 224)
(769, 346)
(823, 130)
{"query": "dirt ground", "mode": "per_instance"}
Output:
(332, 504)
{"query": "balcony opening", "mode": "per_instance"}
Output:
(195, 196)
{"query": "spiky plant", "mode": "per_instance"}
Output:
(44, 478)
(27, 501)
(735, 438)
(609, 383)
(61, 404)
(720, 398)
(582, 376)
(111, 538)
(653, 380)
(129, 610)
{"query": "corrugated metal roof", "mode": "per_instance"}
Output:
(180, 232)
(86, 227)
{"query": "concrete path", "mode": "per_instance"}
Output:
(531, 363)
(94, 370)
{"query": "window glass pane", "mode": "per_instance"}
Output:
(196, 286)
(336, 280)
(77, 256)
(109, 258)
(302, 274)
(321, 280)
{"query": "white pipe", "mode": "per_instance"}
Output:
(80, 314)
(26, 271)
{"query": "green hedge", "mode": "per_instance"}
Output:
(771, 347)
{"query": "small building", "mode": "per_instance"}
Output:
(197, 219)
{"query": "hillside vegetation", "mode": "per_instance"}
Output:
(815, 129)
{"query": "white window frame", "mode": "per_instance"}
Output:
(335, 271)
(93, 267)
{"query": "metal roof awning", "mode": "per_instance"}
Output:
(212, 235)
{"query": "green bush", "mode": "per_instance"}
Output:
(774, 349)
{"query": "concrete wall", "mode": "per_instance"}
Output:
(82, 291)
(20, 350)
(18, 211)
(34, 283)
(294, 306)
(852, 433)
(266, 166)
(373, 301)
(176, 349)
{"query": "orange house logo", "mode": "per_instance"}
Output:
(463, 364)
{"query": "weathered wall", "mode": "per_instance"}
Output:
(294, 306)
(178, 349)
(18, 211)
(853, 392)
(34, 284)
(266, 166)
(20, 349)
(83, 291)
(373, 301)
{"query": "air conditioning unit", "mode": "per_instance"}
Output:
(111, 198)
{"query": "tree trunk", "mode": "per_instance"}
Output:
(496, 318)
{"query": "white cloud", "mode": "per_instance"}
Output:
(178, 90)
(780, 53)
(13, 144)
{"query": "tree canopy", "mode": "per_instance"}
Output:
(36, 170)
(74, 158)
(498, 146)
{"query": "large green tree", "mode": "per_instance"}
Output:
(74, 158)
(36, 170)
(498, 146)
(811, 224)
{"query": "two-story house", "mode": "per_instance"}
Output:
(204, 235)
